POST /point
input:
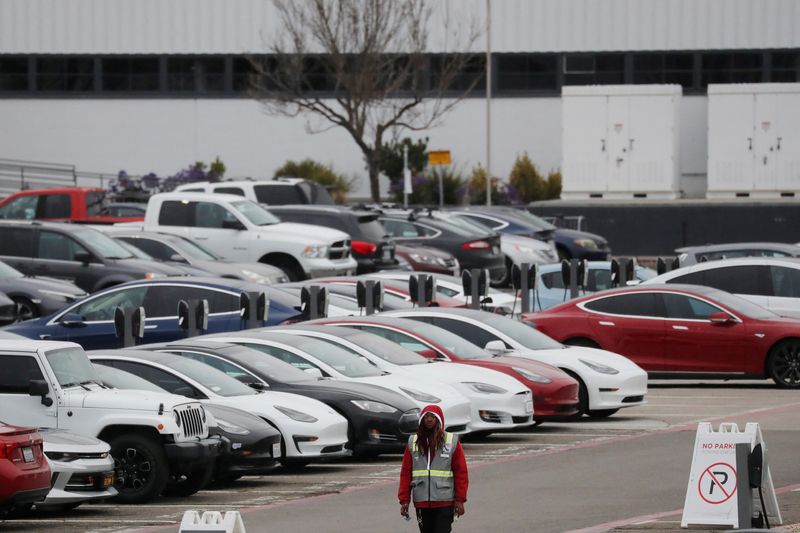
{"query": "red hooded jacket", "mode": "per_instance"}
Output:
(458, 465)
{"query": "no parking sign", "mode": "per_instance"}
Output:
(715, 486)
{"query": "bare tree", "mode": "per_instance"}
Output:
(365, 66)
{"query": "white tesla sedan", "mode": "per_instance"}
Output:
(309, 428)
(334, 362)
(497, 401)
(608, 381)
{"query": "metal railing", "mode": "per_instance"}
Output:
(576, 222)
(18, 175)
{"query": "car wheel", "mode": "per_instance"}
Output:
(783, 364)
(503, 279)
(290, 267)
(26, 309)
(188, 484)
(602, 413)
(140, 468)
(580, 341)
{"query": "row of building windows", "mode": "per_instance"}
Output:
(512, 74)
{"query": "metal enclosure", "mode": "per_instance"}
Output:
(620, 141)
(753, 140)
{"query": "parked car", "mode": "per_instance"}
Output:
(90, 322)
(82, 467)
(154, 438)
(691, 255)
(72, 204)
(167, 247)
(472, 247)
(681, 330)
(250, 445)
(379, 420)
(279, 191)
(573, 243)
(77, 254)
(428, 259)
(309, 428)
(24, 471)
(183, 268)
(336, 363)
(36, 296)
(241, 230)
(771, 283)
(396, 293)
(550, 289)
(496, 401)
(555, 393)
(370, 245)
(608, 381)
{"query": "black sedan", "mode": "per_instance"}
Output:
(36, 296)
(251, 445)
(380, 420)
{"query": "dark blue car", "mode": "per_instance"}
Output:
(90, 322)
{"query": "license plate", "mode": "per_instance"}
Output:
(529, 406)
(276, 450)
(108, 480)
(27, 454)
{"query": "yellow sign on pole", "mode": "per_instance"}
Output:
(439, 157)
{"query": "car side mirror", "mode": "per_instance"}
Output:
(720, 318)
(257, 385)
(84, 257)
(72, 320)
(496, 346)
(232, 224)
(316, 372)
(178, 258)
(428, 354)
(39, 387)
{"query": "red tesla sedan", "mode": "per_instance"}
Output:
(555, 393)
(679, 330)
(24, 472)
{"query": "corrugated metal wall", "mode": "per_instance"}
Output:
(241, 26)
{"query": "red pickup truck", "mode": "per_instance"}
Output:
(70, 204)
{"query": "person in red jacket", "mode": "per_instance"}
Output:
(434, 474)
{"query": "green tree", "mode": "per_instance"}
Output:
(392, 157)
(476, 188)
(553, 186)
(526, 179)
(311, 170)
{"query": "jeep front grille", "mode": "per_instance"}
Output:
(192, 421)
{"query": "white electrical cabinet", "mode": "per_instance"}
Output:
(620, 141)
(754, 140)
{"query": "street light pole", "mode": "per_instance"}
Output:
(488, 103)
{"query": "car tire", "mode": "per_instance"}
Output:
(290, 267)
(190, 483)
(141, 470)
(503, 279)
(783, 364)
(26, 309)
(581, 341)
(602, 413)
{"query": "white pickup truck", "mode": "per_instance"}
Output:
(241, 230)
(158, 441)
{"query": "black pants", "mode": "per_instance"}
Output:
(435, 519)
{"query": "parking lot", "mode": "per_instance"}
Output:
(672, 406)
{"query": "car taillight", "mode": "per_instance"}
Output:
(363, 247)
(476, 245)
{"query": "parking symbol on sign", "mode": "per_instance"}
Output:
(717, 483)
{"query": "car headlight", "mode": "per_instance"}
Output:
(230, 427)
(255, 277)
(586, 243)
(421, 396)
(485, 388)
(373, 407)
(295, 415)
(316, 252)
(427, 259)
(282, 279)
(527, 374)
(597, 367)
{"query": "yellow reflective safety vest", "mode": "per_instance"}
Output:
(432, 478)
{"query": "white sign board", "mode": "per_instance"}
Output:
(711, 496)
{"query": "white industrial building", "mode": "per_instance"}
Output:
(153, 85)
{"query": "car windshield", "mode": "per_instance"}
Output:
(9, 272)
(72, 367)
(385, 349)
(468, 225)
(193, 250)
(451, 342)
(136, 252)
(102, 244)
(209, 377)
(120, 379)
(255, 213)
(341, 360)
(520, 332)
(740, 305)
(532, 219)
